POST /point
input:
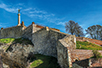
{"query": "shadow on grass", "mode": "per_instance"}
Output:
(23, 41)
(43, 61)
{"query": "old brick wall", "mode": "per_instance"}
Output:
(81, 56)
(12, 32)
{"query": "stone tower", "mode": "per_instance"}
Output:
(19, 17)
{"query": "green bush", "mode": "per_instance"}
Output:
(96, 54)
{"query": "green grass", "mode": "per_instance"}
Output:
(18, 40)
(43, 61)
(87, 46)
(7, 40)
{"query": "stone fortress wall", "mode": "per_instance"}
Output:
(52, 42)
(49, 41)
(12, 32)
(45, 40)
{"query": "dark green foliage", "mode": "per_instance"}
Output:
(96, 54)
(22, 40)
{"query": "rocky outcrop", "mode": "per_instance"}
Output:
(17, 55)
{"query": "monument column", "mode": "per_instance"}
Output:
(19, 17)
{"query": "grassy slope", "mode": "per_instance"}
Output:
(18, 40)
(7, 40)
(43, 61)
(87, 45)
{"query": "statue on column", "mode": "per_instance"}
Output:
(18, 10)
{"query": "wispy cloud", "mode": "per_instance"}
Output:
(5, 7)
(33, 12)
(61, 23)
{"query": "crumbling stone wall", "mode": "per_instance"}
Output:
(62, 55)
(12, 32)
(45, 42)
(64, 48)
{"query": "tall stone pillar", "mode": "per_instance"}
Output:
(19, 18)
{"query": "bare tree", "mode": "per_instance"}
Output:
(74, 28)
(95, 32)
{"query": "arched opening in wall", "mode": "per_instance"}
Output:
(76, 59)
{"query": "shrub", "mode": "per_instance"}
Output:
(96, 54)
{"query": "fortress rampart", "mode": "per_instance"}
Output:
(12, 32)
(45, 40)
(50, 41)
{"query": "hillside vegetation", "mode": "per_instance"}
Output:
(87, 46)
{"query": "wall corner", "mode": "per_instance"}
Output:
(47, 28)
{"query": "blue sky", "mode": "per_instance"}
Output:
(51, 13)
